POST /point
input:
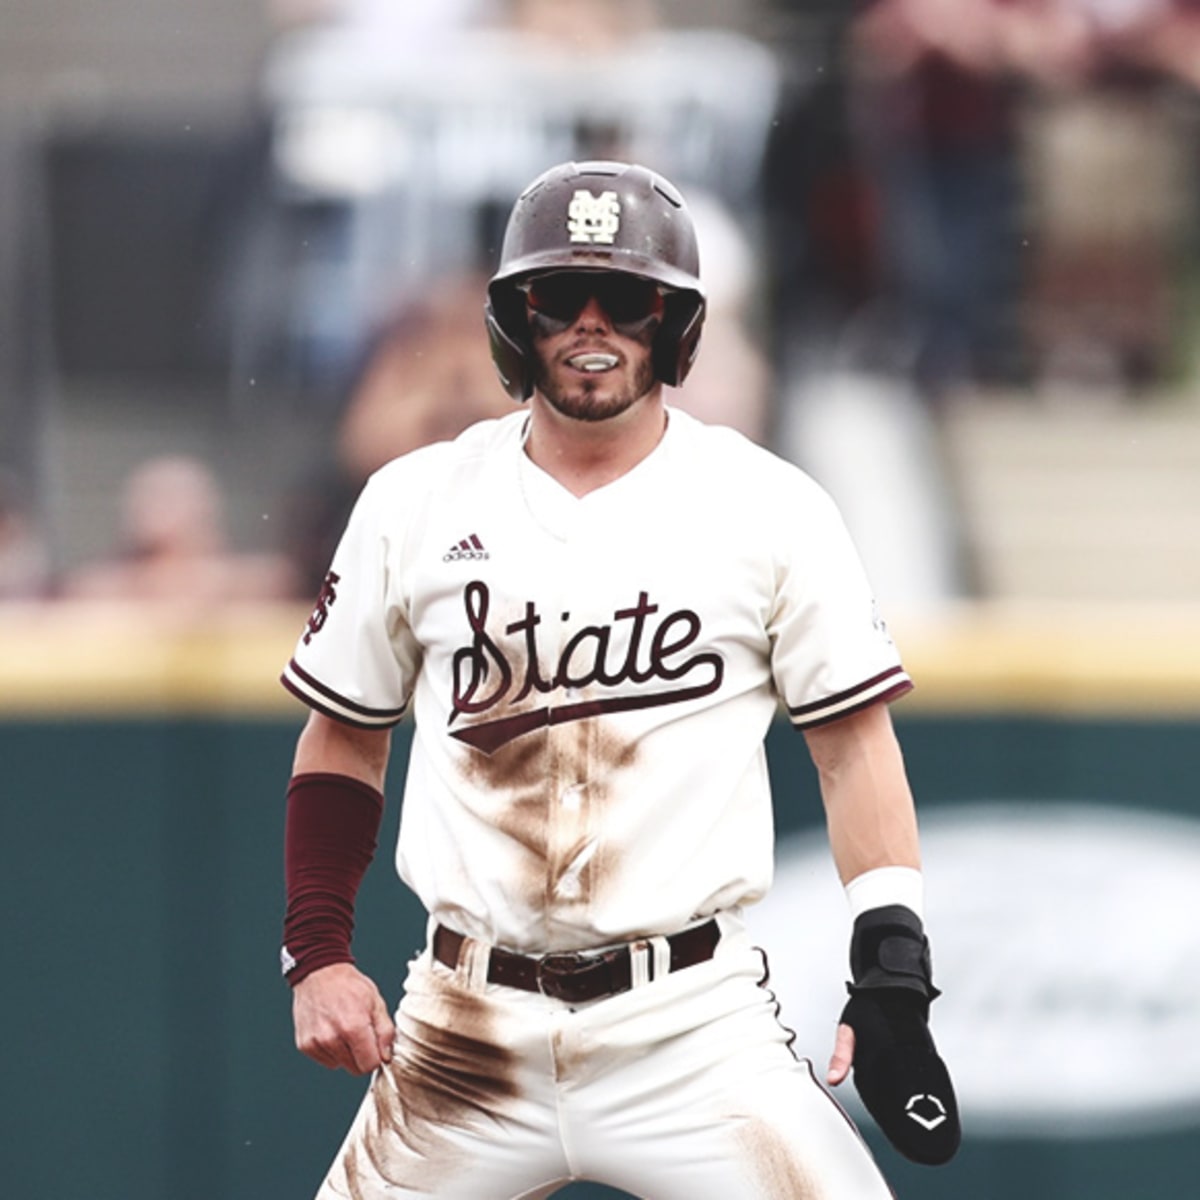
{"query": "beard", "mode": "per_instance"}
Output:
(583, 398)
(594, 399)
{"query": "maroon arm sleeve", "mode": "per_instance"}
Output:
(329, 840)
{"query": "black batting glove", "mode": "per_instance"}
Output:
(898, 1072)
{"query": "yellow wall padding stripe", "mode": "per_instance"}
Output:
(68, 659)
(1056, 659)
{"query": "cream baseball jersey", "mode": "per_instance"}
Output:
(591, 678)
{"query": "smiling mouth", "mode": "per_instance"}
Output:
(592, 362)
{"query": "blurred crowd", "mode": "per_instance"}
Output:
(949, 195)
(1012, 195)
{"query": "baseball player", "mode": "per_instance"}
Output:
(594, 608)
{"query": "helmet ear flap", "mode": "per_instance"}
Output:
(510, 356)
(678, 340)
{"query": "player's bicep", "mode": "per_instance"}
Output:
(331, 746)
(836, 744)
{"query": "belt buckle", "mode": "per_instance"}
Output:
(557, 972)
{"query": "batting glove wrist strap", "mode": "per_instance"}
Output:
(889, 949)
(898, 1072)
(329, 841)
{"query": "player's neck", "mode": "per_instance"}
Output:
(586, 455)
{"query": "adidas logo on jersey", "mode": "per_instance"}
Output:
(470, 548)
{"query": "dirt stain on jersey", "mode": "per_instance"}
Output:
(551, 788)
(448, 1075)
(519, 775)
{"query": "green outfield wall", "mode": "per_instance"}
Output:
(148, 1038)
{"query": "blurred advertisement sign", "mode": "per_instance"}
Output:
(1066, 939)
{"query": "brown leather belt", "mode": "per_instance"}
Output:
(578, 977)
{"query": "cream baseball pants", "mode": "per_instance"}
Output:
(684, 1088)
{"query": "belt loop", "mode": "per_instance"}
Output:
(641, 965)
(662, 957)
(473, 965)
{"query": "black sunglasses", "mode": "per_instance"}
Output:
(560, 296)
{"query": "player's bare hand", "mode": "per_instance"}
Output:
(341, 1020)
(843, 1056)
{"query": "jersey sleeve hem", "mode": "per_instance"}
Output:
(325, 700)
(882, 688)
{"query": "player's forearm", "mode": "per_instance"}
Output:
(329, 841)
(868, 802)
(870, 827)
(334, 810)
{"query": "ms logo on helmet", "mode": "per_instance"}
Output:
(594, 218)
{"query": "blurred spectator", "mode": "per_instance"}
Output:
(935, 113)
(1028, 161)
(426, 377)
(1112, 195)
(24, 559)
(174, 550)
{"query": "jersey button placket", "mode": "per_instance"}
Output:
(568, 815)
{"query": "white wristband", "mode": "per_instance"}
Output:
(886, 885)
